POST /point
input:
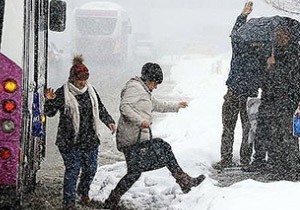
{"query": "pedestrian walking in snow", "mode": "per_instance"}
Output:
(134, 138)
(243, 82)
(78, 135)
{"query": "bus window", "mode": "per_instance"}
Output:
(96, 25)
(57, 15)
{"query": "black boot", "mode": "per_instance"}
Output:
(185, 181)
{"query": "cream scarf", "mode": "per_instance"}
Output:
(72, 106)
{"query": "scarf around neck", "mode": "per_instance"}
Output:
(72, 106)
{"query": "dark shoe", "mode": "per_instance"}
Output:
(70, 206)
(223, 164)
(244, 163)
(85, 200)
(255, 166)
(275, 172)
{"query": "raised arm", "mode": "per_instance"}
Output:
(53, 101)
(242, 18)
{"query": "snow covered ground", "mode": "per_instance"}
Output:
(194, 134)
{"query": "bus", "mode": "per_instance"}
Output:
(101, 32)
(23, 77)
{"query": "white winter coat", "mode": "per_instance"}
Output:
(137, 105)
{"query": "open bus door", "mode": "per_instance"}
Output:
(23, 147)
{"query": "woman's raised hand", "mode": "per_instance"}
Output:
(50, 94)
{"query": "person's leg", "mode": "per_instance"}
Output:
(284, 155)
(277, 163)
(246, 147)
(133, 174)
(230, 111)
(89, 169)
(291, 153)
(262, 135)
(72, 169)
(122, 187)
(275, 143)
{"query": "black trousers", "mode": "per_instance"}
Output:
(233, 106)
(274, 137)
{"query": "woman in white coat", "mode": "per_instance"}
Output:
(134, 138)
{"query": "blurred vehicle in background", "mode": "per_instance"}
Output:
(143, 47)
(102, 30)
(55, 57)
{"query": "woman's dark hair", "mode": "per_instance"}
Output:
(152, 72)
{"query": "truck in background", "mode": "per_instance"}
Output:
(102, 30)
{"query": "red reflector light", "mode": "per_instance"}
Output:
(9, 106)
(10, 86)
(5, 153)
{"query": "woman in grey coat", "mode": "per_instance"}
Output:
(134, 134)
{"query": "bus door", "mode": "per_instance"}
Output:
(35, 65)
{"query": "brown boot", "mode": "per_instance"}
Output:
(185, 181)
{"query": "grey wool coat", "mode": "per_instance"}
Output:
(137, 105)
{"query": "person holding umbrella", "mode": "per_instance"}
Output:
(276, 149)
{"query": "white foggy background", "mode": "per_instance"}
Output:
(170, 27)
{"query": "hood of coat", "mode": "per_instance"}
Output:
(135, 79)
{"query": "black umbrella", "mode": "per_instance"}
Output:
(263, 29)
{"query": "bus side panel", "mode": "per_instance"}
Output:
(10, 141)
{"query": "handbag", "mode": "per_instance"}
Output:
(147, 155)
(252, 105)
(296, 123)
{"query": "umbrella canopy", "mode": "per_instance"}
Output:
(263, 29)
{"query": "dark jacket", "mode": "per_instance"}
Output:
(87, 137)
(245, 67)
(281, 84)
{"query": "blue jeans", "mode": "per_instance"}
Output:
(74, 160)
